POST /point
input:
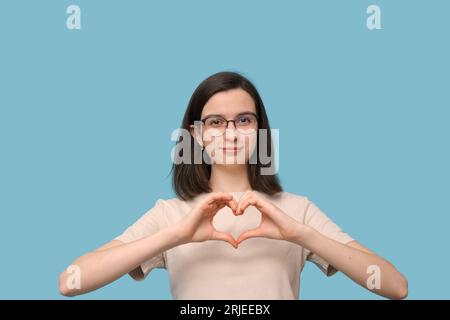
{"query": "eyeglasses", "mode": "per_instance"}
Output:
(245, 123)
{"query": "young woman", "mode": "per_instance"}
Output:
(232, 232)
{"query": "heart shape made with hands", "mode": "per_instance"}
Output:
(225, 220)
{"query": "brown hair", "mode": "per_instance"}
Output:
(189, 180)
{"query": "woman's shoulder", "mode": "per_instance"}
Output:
(175, 201)
(175, 204)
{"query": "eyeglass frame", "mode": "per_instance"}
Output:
(227, 121)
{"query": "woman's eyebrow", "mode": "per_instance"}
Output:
(221, 115)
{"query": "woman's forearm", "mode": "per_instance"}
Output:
(353, 262)
(99, 268)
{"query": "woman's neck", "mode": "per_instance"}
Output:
(229, 178)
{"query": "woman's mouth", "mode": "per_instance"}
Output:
(232, 149)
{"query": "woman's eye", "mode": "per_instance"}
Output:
(244, 120)
(215, 122)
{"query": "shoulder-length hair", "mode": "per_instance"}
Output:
(190, 179)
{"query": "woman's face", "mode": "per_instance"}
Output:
(229, 142)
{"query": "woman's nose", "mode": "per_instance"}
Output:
(230, 132)
(228, 124)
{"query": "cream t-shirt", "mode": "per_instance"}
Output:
(260, 268)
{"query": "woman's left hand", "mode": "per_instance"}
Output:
(275, 224)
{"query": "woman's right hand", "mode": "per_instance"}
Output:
(197, 225)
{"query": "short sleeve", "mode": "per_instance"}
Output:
(150, 223)
(315, 218)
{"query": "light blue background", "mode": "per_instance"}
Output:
(86, 118)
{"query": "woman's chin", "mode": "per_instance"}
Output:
(231, 160)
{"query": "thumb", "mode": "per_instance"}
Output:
(227, 237)
(253, 233)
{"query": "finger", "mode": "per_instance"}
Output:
(233, 206)
(243, 197)
(253, 233)
(217, 199)
(251, 201)
(260, 203)
(225, 237)
(220, 197)
(223, 203)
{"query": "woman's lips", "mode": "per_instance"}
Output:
(231, 149)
